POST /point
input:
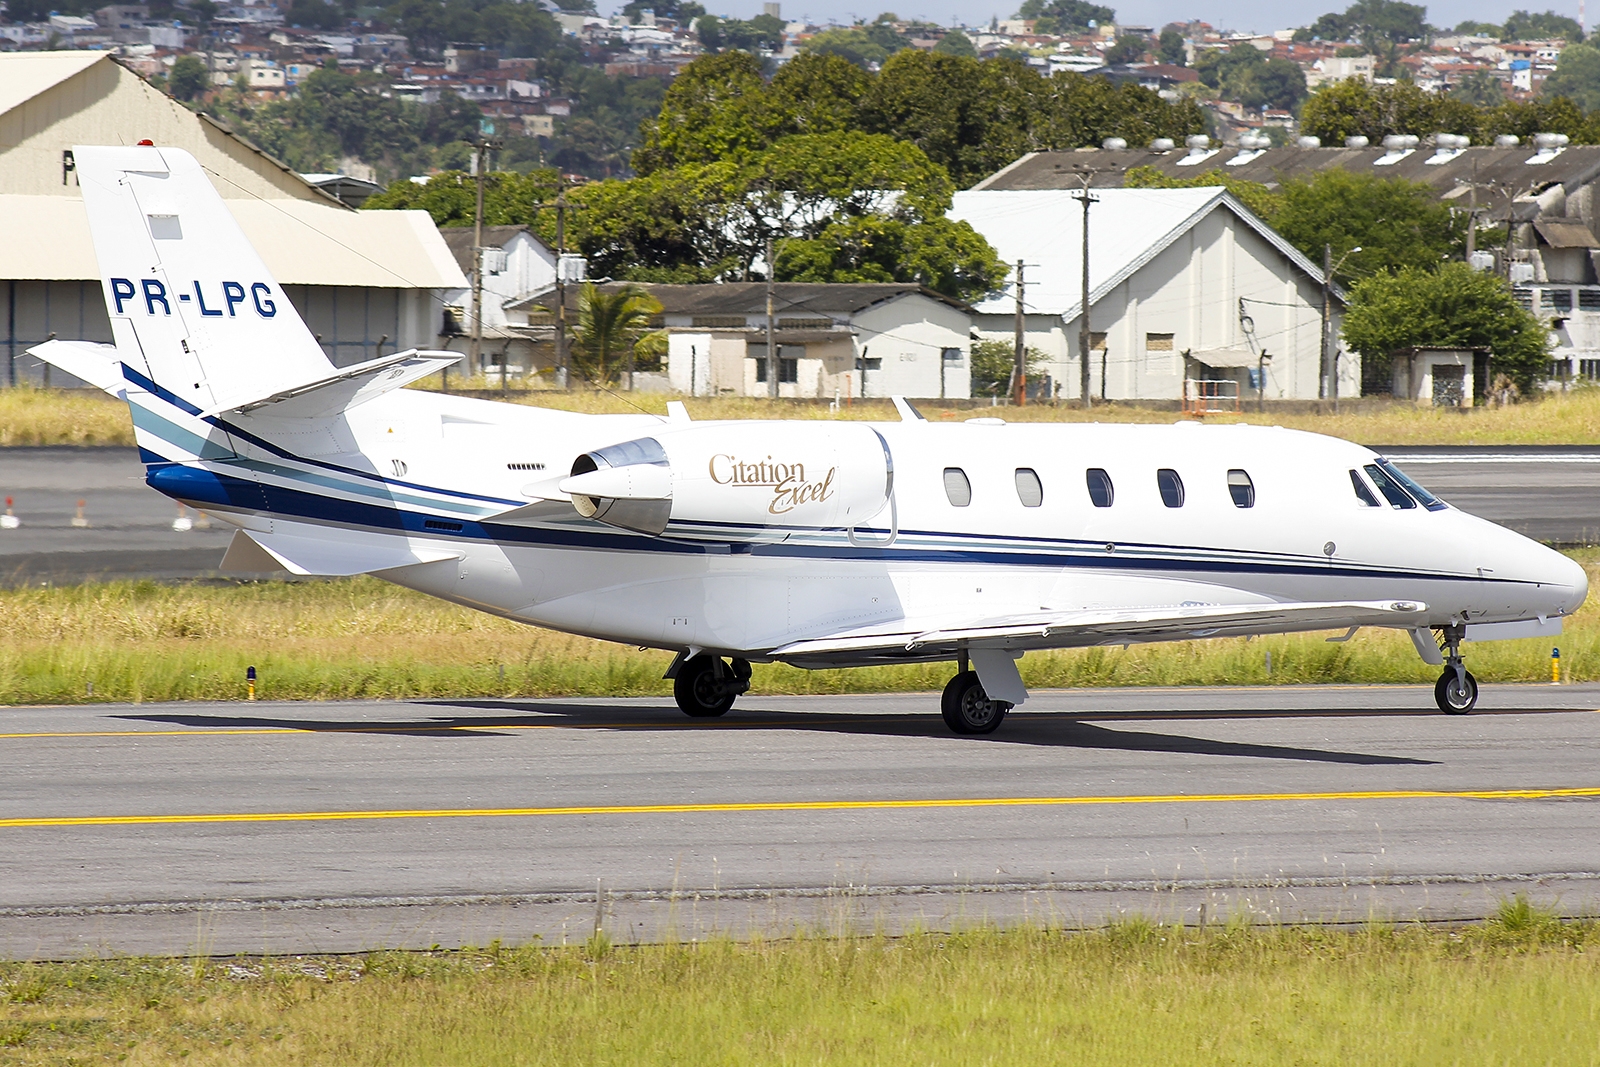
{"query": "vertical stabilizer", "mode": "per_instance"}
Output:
(191, 303)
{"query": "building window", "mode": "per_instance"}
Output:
(1558, 299)
(1158, 342)
(789, 357)
(1589, 368)
(1589, 299)
(1101, 492)
(1171, 487)
(956, 487)
(1242, 489)
(1523, 296)
(1029, 489)
(1097, 341)
(952, 356)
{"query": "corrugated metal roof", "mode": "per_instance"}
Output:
(24, 75)
(1566, 233)
(301, 241)
(1127, 229)
(1496, 170)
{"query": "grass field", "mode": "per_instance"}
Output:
(362, 638)
(31, 416)
(1519, 989)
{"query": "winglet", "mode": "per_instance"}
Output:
(676, 412)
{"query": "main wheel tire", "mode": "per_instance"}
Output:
(700, 693)
(967, 709)
(1456, 696)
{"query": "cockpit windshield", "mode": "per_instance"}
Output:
(1425, 498)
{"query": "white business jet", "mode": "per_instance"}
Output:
(818, 544)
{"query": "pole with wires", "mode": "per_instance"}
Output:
(1019, 368)
(772, 348)
(480, 154)
(1085, 336)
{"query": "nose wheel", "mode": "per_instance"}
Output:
(706, 687)
(1456, 691)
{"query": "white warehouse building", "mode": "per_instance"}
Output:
(1185, 285)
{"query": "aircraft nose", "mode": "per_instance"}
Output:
(1570, 580)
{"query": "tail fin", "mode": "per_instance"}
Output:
(191, 303)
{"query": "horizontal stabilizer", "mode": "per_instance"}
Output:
(1068, 629)
(349, 387)
(96, 364)
(324, 557)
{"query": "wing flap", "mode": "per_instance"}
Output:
(1065, 629)
(327, 557)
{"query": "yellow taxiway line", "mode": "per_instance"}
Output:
(795, 805)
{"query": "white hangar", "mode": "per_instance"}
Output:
(1184, 284)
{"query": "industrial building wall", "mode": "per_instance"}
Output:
(33, 311)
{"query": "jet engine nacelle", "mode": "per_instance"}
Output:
(749, 481)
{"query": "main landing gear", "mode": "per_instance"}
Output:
(967, 709)
(705, 686)
(1456, 691)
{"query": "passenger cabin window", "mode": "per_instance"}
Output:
(1101, 492)
(1029, 489)
(1171, 487)
(1242, 489)
(1363, 494)
(956, 487)
(1390, 489)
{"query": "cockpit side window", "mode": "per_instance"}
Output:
(1390, 489)
(1425, 498)
(1363, 494)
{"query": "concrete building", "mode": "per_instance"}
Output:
(854, 340)
(366, 282)
(1186, 287)
(1543, 190)
(516, 265)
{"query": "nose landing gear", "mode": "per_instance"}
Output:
(705, 687)
(1456, 691)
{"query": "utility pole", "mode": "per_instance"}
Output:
(479, 159)
(1085, 335)
(1019, 369)
(561, 208)
(772, 348)
(1327, 309)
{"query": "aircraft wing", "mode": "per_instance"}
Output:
(346, 388)
(1098, 626)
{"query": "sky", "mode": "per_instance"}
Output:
(1260, 16)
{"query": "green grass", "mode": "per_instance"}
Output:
(362, 638)
(1519, 989)
(31, 416)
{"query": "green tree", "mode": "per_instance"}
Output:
(717, 108)
(609, 326)
(1169, 48)
(948, 257)
(1066, 16)
(1480, 88)
(314, 14)
(1453, 306)
(189, 78)
(1353, 107)
(1478, 29)
(956, 43)
(1079, 111)
(1545, 26)
(819, 93)
(853, 45)
(1127, 49)
(1577, 76)
(993, 362)
(1372, 21)
(1396, 223)
(1542, 114)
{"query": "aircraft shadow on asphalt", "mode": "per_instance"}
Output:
(1055, 730)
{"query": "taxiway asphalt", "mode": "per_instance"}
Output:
(1550, 494)
(275, 827)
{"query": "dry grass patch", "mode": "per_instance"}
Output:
(1134, 994)
(362, 638)
(30, 416)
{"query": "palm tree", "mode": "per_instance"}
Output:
(610, 326)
